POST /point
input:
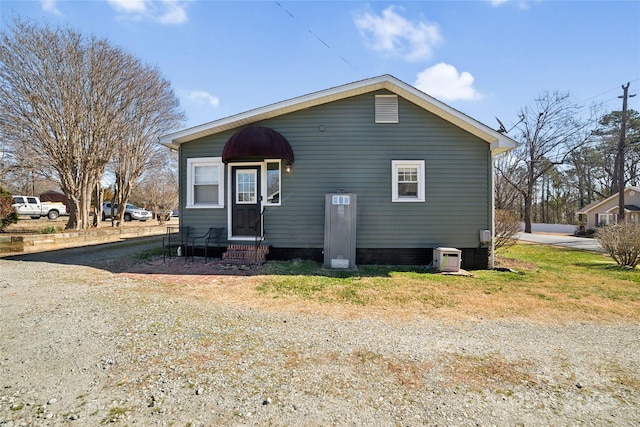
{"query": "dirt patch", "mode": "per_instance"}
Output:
(515, 264)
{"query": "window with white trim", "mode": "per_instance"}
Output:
(205, 179)
(407, 181)
(273, 182)
(607, 219)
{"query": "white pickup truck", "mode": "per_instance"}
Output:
(33, 207)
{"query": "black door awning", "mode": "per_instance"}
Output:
(256, 143)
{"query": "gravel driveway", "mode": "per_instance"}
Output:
(84, 346)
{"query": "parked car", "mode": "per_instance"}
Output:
(130, 212)
(33, 207)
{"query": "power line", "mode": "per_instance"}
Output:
(320, 39)
(605, 92)
(604, 101)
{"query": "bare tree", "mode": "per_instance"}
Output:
(608, 134)
(68, 102)
(549, 131)
(153, 112)
(507, 229)
(587, 175)
(159, 190)
(507, 196)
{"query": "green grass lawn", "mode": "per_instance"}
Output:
(546, 283)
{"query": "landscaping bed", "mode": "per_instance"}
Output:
(29, 235)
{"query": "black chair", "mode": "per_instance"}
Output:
(213, 236)
(175, 238)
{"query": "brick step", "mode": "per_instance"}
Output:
(244, 256)
(246, 253)
(247, 248)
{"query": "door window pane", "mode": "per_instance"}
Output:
(246, 186)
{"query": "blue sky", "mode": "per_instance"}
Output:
(485, 58)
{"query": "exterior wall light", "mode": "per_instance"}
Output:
(288, 167)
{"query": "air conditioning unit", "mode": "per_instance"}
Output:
(447, 259)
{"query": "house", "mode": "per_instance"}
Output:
(421, 172)
(605, 212)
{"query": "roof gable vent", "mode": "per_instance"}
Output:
(386, 108)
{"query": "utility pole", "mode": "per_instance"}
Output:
(621, 144)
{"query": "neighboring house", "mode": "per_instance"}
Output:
(421, 171)
(605, 212)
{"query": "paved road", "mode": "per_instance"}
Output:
(566, 241)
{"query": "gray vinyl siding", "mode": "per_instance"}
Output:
(199, 220)
(354, 153)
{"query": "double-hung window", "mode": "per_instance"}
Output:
(205, 176)
(408, 181)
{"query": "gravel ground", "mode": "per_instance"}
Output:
(83, 346)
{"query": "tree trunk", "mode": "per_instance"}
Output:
(72, 223)
(97, 205)
(527, 213)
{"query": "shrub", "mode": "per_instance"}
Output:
(8, 215)
(622, 242)
(50, 229)
(582, 231)
(507, 228)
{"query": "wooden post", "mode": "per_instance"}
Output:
(621, 144)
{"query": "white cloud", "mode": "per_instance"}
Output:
(522, 4)
(175, 13)
(49, 6)
(395, 35)
(169, 12)
(201, 97)
(444, 82)
(129, 6)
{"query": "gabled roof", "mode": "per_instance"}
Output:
(596, 204)
(498, 142)
(627, 208)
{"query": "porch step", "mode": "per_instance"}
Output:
(246, 253)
